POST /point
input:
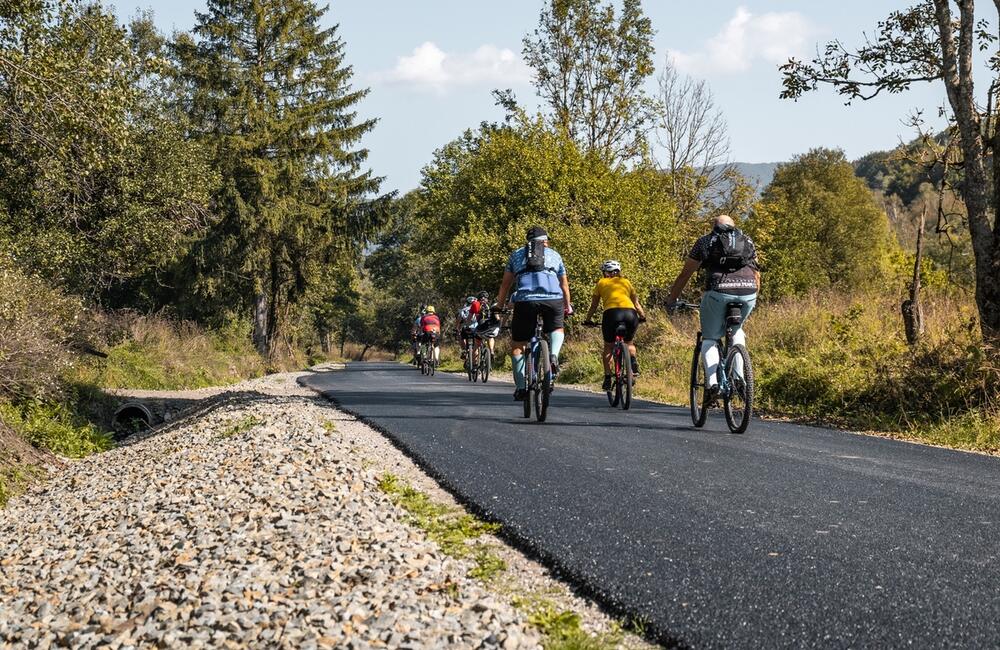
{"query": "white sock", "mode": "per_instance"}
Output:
(710, 357)
(739, 338)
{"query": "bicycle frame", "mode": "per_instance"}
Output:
(534, 347)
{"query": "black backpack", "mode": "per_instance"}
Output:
(729, 250)
(535, 256)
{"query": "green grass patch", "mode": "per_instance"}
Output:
(159, 354)
(562, 628)
(56, 427)
(14, 480)
(452, 530)
(242, 425)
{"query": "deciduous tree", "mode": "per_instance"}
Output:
(590, 66)
(931, 42)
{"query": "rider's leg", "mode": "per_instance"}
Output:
(632, 354)
(556, 338)
(606, 358)
(517, 363)
(713, 328)
(710, 357)
(631, 325)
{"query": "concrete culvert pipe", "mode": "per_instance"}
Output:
(131, 417)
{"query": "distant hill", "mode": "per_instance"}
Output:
(759, 174)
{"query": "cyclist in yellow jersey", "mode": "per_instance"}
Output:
(621, 306)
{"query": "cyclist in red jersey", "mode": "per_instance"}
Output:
(430, 331)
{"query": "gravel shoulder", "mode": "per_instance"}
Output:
(257, 520)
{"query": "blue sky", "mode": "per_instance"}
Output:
(430, 65)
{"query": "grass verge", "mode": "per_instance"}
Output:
(563, 629)
(159, 354)
(452, 529)
(840, 360)
(55, 426)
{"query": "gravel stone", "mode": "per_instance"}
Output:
(249, 523)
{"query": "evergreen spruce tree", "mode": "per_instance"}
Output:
(268, 86)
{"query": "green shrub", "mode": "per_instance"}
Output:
(54, 426)
(38, 325)
(160, 354)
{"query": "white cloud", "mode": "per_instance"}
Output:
(746, 38)
(430, 67)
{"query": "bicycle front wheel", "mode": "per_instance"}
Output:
(628, 378)
(699, 410)
(529, 379)
(615, 393)
(485, 363)
(543, 387)
(738, 404)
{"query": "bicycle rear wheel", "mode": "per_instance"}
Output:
(699, 410)
(615, 394)
(628, 378)
(485, 363)
(529, 371)
(738, 404)
(543, 387)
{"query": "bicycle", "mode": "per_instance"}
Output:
(468, 334)
(622, 379)
(735, 375)
(538, 377)
(426, 353)
(484, 356)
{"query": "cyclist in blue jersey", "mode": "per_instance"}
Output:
(535, 281)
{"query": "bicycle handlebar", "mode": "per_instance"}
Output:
(686, 306)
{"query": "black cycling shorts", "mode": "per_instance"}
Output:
(522, 325)
(611, 319)
(428, 337)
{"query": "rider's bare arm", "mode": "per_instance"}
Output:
(505, 285)
(638, 307)
(690, 266)
(564, 283)
(593, 308)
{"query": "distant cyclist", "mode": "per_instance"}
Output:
(537, 276)
(468, 320)
(430, 331)
(731, 275)
(487, 318)
(415, 333)
(621, 306)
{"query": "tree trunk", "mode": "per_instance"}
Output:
(913, 313)
(272, 312)
(364, 351)
(957, 73)
(260, 323)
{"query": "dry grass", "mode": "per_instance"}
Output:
(840, 359)
(161, 354)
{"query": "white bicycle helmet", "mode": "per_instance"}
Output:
(611, 266)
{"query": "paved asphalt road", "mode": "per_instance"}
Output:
(787, 536)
